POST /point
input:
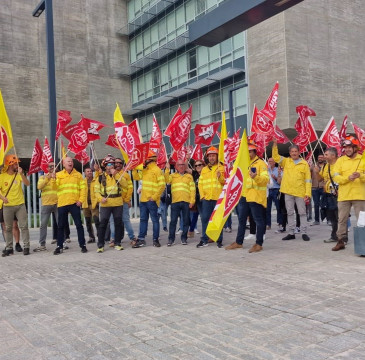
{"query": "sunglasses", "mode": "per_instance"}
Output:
(118, 163)
(197, 165)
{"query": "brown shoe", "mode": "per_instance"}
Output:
(339, 246)
(255, 248)
(190, 234)
(111, 244)
(234, 246)
(210, 241)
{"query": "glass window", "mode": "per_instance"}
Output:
(132, 50)
(238, 41)
(192, 63)
(226, 47)
(215, 102)
(165, 118)
(202, 59)
(140, 82)
(201, 5)
(149, 124)
(204, 106)
(134, 91)
(171, 26)
(162, 31)
(180, 20)
(154, 37)
(137, 7)
(130, 10)
(139, 42)
(147, 42)
(189, 11)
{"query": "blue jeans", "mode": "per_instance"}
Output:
(207, 207)
(273, 197)
(75, 212)
(178, 209)
(316, 195)
(228, 224)
(257, 212)
(193, 220)
(127, 221)
(148, 208)
(112, 226)
(162, 211)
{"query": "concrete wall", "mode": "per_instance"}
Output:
(316, 51)
(89, 55)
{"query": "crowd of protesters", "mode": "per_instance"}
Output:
(335, 183)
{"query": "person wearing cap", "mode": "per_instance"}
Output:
(11, 193)
(296, 184)
(71, 194)
(127, 193)
(183, 199)
(349, 174)
(210, 185)
(253, 201)
(152, 189)
(47, 185)
(90, 207)
(108, 192)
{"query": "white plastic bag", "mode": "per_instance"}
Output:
(361, 219)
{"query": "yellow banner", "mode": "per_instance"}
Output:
(6, 135)
(231, 192)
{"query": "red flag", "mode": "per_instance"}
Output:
(126, 137)
(156, 136)
(92, 128)
(304, 127)
(269, 109)
(181, 131)
(197, 153)
(64, 118)
(138, 156)
(135, 127)
(330, 135)
(260, 124)
(181, 154)
(233, 147)
(342, 133)
(77, 137)
(82, 157)
(204, 134)
(309, 158)
(112, 141)
(35, 163)
(46, 157)
(175, 119)
(360, 134)
(162, 156)
(280, 135)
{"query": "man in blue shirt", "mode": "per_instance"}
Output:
(273, 195)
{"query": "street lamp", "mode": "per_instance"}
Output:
(46, 5)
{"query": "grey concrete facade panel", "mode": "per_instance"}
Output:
(319, 54)
(88, 56)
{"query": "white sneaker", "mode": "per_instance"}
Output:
(197, 231)
(250, 236)
(179, 232)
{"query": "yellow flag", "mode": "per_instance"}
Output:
(362, 161)
(232, 191)
(118, 117)
(6, 135)
(63, 150)
(223, 137)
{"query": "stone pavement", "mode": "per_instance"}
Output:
(293, 300)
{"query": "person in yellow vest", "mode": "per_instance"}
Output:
(152, 188)
(48, 187)
(108, 192)
(210, 186)
(349, 174)
(127, 193)
(325, 174)
(11, 193)
(253, 201)
(296, 184)
(183, 199)
(71, 194)
(90, 207)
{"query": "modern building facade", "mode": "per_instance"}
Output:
(166, 70)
